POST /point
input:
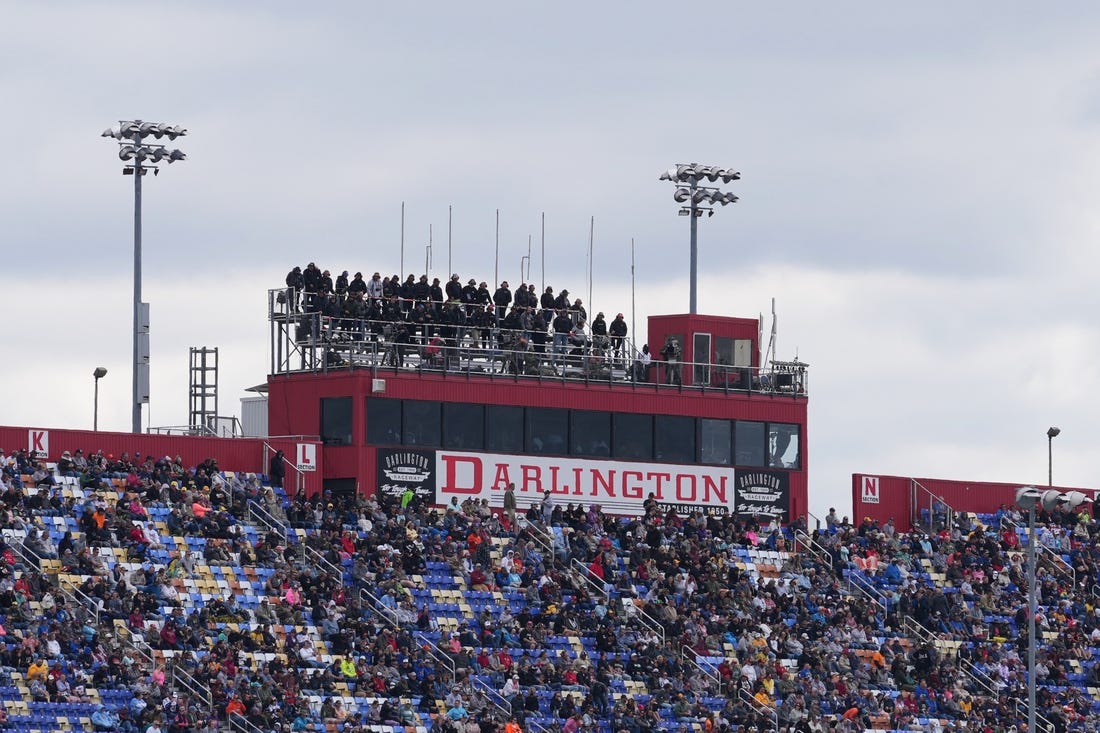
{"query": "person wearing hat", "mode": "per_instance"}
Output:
(311, 285)
(599, 332)
(342, 286)
(294, 283)
(454, 288)
(617, 330)
(357, 286)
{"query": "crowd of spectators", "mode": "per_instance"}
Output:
(439, 318)
(678, 632)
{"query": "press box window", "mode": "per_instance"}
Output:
(591, 433)
(749, 444)
(422, 424)
(715, 441)
(783, 445)
(463, 426)
(336, 420)
(504, 428)
(383, 421)
(548, 431)
(674, 439)
(632, 436)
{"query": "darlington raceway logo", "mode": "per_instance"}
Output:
(404, 470)
(763, 492)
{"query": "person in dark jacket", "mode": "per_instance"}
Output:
(357, 285)
(342, 286)
(454, 288)
(294, 284)
(276, 470)
(311, 284)
(502, 298)
(562, 325)
(617, 331)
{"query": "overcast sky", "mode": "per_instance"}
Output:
(919, 194)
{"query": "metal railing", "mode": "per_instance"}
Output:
(1041, 722)
(314, 342)
(594, 582)
(948, 511)
(760, 708)
(80, 599)
(814, 547)
(1054, 560)
(633, 611)
(259, 514)
(238, 722)
(544, 539)
(299, 475)
(331, 569)
(692, 657)
(857, 581)
(495, 699)
(218, 430)
(439, 655)
(386, 613)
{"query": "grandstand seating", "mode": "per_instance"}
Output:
(690, 625)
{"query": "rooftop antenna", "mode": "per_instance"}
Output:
(428, 254)
(449, 268)
(771, 341)
(591, 243)
(527, 258)
(633, 332)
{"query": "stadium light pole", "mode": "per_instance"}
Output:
(131, 135)
(98, 374)
(1052, 433)
(1030, 499)
(688, 178)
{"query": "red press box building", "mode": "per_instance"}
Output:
(715, 430)
(906, 500)
(455, 422)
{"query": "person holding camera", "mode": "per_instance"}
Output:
(672, 354)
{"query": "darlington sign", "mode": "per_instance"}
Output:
(620, 488)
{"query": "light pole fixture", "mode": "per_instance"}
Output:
(98, 374)
(1052, 433)
(141, 157)
(1030, 499)
(697, 200)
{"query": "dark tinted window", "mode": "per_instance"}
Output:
(591, 433)
(504, 428)
(715, 441)
(749, 444)
(463, 426)
(674, 439)
(383, 421)
(633, 436)
(547, 431)
(336, 420)
(783, 445)
(421, 424)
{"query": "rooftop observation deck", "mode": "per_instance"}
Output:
(442, 339)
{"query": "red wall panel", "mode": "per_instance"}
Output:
(233, 454)
(898, 498)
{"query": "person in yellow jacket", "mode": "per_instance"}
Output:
(347, 668)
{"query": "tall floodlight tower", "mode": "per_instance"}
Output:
(140, 157)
